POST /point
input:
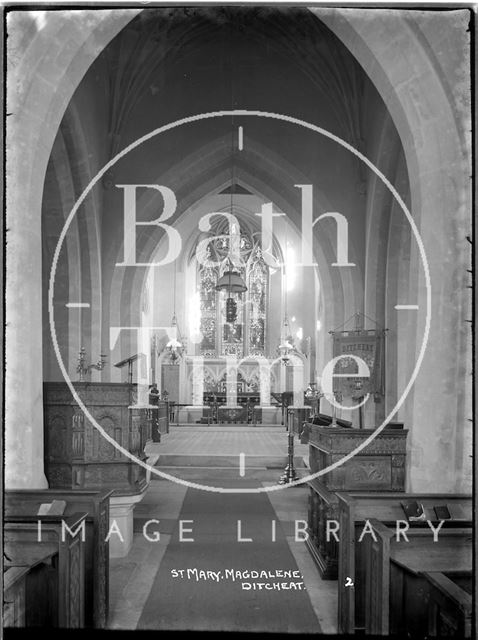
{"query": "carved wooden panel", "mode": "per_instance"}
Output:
(109, 423)
(78, 436)
(362, 473)
(73, 443)
(59, 475)
(380, 466)
(344, 441)
(57, 441)
(103, 475)
(322, 508)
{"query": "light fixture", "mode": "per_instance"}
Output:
(231, 280)
(175, 346)
(313, 395)
(83, 369)
(286, 345)
(287, 341)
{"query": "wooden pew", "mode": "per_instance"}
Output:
(14, 579)
(27, 502)
(354, 511)
(450, 606)
(397, 591)
(54, 581)
(31, 596)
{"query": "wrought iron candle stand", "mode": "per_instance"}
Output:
(313, 396)
(83, 370)
(289, 474)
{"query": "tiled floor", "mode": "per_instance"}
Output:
(132, 577)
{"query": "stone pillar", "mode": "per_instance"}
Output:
(265, 381)
(36, 111)
(23, 350)
(198, 380)
(231, 381)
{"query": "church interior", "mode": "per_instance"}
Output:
(238, 310)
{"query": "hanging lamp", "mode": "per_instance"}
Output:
(287, 342)
(231, 281)
(175, 346)
(286, 345)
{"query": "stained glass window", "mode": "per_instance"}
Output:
(208, 300)
(247, 334)
(258, 280)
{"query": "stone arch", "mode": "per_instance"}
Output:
(343, 286)
(438, 164)
(69, 170)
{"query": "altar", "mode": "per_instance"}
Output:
(246, 410)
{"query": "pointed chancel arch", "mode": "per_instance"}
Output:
(340, 286)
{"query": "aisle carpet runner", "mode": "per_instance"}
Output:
(228, 598)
